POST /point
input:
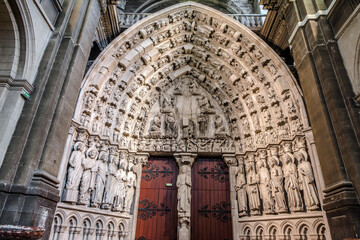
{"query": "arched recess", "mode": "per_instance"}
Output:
(191, 80)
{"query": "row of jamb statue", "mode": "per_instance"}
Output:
(100, 178)
(276, 189)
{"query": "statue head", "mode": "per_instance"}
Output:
(286, 158)
(92, 153)
(299, 156)
(274, 151)
(273, 161)
(104, 156)
(79, 146)
(185, 169)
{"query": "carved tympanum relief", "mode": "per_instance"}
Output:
(191, 80)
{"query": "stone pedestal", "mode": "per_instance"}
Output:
(11, 232)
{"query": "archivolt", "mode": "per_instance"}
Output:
(250, 85)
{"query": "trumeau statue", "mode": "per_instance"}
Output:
(264, 186)
(291, 183)
(130, 187)
(277, 180)
(87, 179)
(183, 184)
(307, 182)
(110, 187)
(252, 186)
(74, 173)
(100, 181)
(240, 188)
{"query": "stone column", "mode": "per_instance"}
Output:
(139, 161)
(231, 162)
(185, 161)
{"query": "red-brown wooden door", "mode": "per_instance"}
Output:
(157, 212)
(210, 200)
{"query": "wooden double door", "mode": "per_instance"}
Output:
(210, 200)
(210, 203)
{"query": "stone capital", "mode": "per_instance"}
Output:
(185, 158)
(142, 158)
(230, 160)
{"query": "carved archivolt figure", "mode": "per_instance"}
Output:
(87, 179)
(307, 182)
(130, 186)
(84, 120)
(265, 188)
(277, 179)
(252, 187)
(110, 186)
(89, 101)
(183, 184)
(74, 173)
(240, 188)
(292, 184)
(100, 181)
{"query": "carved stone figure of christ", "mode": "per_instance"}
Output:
(241, 191)
(183, 184)
(307, 182)
(74, 173)
(86, 185)
(100, 180)
(292, 184)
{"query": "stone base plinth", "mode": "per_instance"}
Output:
(12, 232)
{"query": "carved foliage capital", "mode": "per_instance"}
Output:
(230, 159)
(185, 159)
(142, 158)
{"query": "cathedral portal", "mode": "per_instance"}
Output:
(185, 83)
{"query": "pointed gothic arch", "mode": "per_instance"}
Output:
(189, 79)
